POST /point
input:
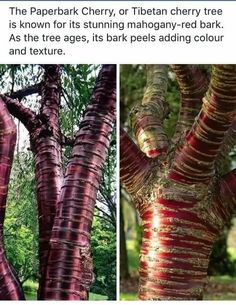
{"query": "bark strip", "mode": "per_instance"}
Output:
(147, 118)
(69, 271)
(10, 287)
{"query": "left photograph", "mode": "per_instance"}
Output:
(58, 182)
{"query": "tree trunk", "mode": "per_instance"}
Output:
(69, 271)
(10, 286)
(182, 203)
(46, 147)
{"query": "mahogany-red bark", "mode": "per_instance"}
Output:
(69, 271)
(46, 147)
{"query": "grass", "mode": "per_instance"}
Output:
(30, 288)
(128, 296)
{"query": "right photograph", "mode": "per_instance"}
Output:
(178, 182)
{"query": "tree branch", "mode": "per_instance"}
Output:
(67, 141)
(193, 83)
(134, 165)
(196, 160)
(147, 118)
(25, 91)
(27, 117)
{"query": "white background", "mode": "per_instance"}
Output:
(116, 52)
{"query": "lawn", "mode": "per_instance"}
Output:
(31, 287)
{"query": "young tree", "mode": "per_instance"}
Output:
(183, 199)
(65, 197)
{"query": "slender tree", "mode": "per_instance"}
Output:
(65, 198)
(179, 191)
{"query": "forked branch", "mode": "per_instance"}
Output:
(196, 160)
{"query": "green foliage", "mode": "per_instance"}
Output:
(221, 262)
(104, 255)
(20, 224)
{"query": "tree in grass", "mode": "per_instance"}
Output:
(65, 196)
(177, 184)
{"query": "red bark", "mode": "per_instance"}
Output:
(46, 147)
(10, 287)
(69, 270)
(193, 83)
(196, 160)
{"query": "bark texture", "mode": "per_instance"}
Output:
(69, 268)
(183, 204)
(46, 147)
(10, 287)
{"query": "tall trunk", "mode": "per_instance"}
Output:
(69, 271)
(10, 287)
(46, 147)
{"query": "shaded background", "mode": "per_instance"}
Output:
(222, 268)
